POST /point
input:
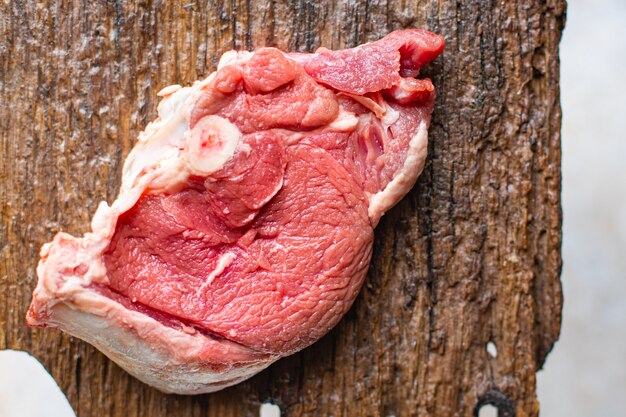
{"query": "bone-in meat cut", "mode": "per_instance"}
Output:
(243, 229)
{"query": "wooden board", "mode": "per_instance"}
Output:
(471, 256)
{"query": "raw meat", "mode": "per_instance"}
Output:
(244, 225)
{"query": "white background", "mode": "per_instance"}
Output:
(585, 375)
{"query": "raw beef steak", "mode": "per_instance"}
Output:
(244, 225)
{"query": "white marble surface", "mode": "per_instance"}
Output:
(585, 375)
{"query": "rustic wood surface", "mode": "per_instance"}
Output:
(471, 256)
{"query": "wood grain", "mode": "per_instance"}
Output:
(472, 255)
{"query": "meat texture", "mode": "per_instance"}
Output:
(244, 225)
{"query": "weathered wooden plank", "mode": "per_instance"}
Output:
(472, 255)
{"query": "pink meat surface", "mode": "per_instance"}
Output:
(243, 229)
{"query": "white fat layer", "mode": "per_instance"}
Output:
(404, 180)
(234, 58)
(391, 115)
(129, 339)
(377, 105)
(161, 160)
(161, 139)
(222, 263)
(80, 267)
(170, 89)
(346, 121)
